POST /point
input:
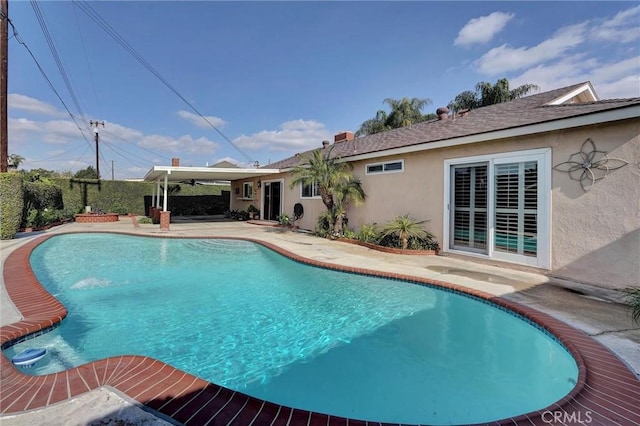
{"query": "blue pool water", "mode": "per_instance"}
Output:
(243, 316)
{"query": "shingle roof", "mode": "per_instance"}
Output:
(521, 112)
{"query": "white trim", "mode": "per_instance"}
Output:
(383, 164)
(585, 88)
(543, 157)
(262, 198)
(244, 190)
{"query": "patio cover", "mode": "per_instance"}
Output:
(168, 174)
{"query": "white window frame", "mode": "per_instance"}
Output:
(384, 164)
(315, 192)
(543, 157)
(245, 186)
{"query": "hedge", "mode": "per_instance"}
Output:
(123, 197)
(11, 203)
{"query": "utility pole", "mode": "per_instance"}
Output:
(95, 125)
(4, 74)
(112, 178)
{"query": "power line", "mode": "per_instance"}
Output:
(56, 56)
(136, 145)
(122, 42)
(44, 74)
(86, 57)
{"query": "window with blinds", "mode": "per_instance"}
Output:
(310, 191)
(516, 206)
(469, 210)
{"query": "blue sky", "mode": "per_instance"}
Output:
(278, 78)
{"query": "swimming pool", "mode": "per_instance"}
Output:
(350, 339)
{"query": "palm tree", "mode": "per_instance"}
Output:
(404, 227)
(336, 185)
(490, 94)
(404, 112)
(373, 125)
(16, 159)
(346, 192)
(320, 168)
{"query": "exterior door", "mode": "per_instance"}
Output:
(272, 200)
(500, 206)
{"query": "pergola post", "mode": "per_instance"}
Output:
(165, 216)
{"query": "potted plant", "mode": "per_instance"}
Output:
(254, 212)
(284, 220)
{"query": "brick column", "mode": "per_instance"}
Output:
(165, 218)
(156, 215)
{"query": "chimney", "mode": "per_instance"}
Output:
(325, 144)
(442, 113)
(343, 137)
(175, 162)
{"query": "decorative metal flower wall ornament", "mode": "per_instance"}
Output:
(589, 165)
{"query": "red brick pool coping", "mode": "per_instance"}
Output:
(606, 393)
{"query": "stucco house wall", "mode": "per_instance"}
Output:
(595, 235)
(591, 236)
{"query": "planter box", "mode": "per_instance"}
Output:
(389, 249)
(96, 218)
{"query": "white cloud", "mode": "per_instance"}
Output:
(34, 106)
(611, 80)
(622, 28)
(295, 135)
(53, 131)
(506, 58)
(113, 132)
(183, 144)
(483, 29)
(199, 121)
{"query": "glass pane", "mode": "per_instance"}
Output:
(516, 206)
(393, 166)
(469, 207)
(374, 169)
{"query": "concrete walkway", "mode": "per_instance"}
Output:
(591, 310)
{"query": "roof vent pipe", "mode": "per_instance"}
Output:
(443, 113)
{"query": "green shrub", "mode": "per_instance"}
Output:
(42, 195)
(284, 219)
(349, 233)
(406, 233)
(632, 296)
(324, 224)
(368, 233)
(11, 204)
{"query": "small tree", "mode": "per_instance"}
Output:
(347, 192)
(404, 227)
(88, 173)
(336, 185)
(490, 94)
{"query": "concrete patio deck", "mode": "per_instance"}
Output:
(590, 310)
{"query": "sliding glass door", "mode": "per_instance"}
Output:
(499, 206)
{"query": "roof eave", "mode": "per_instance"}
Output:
(532, 129)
